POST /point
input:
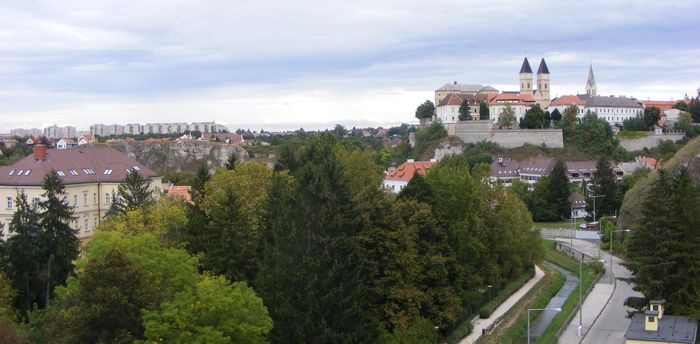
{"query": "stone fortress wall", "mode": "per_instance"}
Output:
(477, 131)
(650, 141)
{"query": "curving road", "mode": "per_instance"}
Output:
(611, 323)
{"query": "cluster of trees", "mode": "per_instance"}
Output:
(592, 135)
(645, 122)
(549, 198)
(693, 108)
(356, 263)
(132, 281)
(465, 111)
(15, 153)
(663, 249)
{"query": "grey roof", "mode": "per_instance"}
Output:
(461, 87)
(543, 67)
(526, 67)
(537, 166)
(577, 200)
(672, 329)
(506, 168)
(488, 88)
(613, 102)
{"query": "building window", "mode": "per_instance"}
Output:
(95, 222)
(94, 198)
(87, 228)
(35, 203)
(651, 319)
(107, 198)
(75, 201)
(85, 198)
(9, 203)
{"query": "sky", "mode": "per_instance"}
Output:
(288, 64)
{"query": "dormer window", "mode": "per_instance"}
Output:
(73, 172)
(60, 173)
(26, 173)
(12, 172)
(20, 172)
(107, 172)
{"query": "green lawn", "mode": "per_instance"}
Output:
(590, 272)
(556, 225)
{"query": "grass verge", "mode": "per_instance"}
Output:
(465, 327)
(590, 272)
(513, 328)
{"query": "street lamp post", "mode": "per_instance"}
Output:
(594, 216)
(580, 293)
(558, 309)
(489, 286)
(611, 250)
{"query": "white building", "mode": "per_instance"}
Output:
(562, 103)
(397, 179)
(447, 111)
(33, 132)
(615, 110)
(519, 102)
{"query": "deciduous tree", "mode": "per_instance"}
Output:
(425, 110)
(506, 118)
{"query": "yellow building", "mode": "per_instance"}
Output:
(91, 177)
(655, 327)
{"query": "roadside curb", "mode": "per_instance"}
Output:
(601, 311)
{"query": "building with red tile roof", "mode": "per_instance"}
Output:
(519, 102)
(398, 178)
(178, 191)
(91, 177)
(562, 103)
(448, 108)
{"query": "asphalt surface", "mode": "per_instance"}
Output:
(611, 323)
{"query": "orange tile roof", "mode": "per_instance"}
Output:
(513, 98)
(566, 100)
(406, 171)
(661, 104)
(180, 191)
(457, 99)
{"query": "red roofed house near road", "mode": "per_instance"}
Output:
(397, 179)
(91, 177)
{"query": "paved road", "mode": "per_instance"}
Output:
(610, 325)
(539, 324)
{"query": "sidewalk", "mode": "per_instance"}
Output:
(594, 304)
(480, 324)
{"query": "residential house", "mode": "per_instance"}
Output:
(91, 177)
(582, 171)
(653, 326)
(534, 169)
(66, 143)
(392, 142)
(578, 205)
(228, 138)
(504, 170)
(9, 142)
(178, 191)
(398, 178)
(86, 139)
(638, 163)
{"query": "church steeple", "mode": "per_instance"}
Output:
(543, 83)
(543, 67)
(591, 88)
(526, 78)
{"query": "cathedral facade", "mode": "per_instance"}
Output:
(541, 94)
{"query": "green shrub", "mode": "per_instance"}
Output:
(484, 313)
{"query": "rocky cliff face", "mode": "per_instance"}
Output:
(180, 156)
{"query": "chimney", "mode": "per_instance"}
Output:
(651, 321)
(657, 306)
(39, 152)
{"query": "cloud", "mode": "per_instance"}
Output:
(79, 62)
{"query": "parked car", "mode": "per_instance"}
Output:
(589, 226)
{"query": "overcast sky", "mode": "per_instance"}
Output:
(290, 64)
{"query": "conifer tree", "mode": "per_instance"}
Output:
(231, 162)
(417, 189)
(134, 191)
(22, 256)
(309, 248)
(484, 112)
(464, 111)
(60, 243)
(604, 183)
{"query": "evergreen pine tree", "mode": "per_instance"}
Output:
(134, 191)
(22, 257)
(484, 113)
(417, 189)
(309, 249)
(231, 162)
(60, 243)
(559, 190)
(604, 183)
(464, 111)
